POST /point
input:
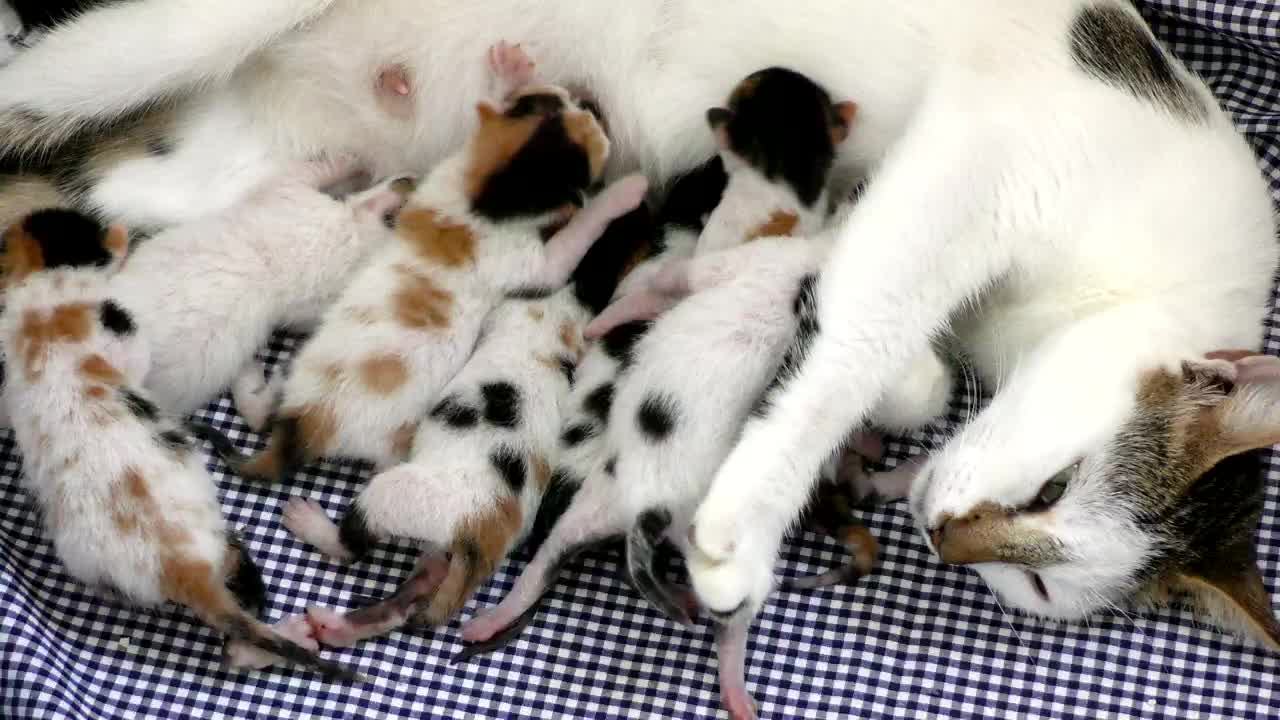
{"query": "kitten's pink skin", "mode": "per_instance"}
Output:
(295, 628)
(484, 626)
(331, 627)
(731, 654)
(511, 66)
(566, 248)
(308, 522)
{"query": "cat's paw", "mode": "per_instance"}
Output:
(511, 65)
(626, 194)
(297, 629)
(308, 522)
(254, 396)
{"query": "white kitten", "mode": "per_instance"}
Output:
(209, 293)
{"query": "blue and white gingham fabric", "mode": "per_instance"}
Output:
(914, 640)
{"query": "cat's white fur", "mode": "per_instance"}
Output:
(210, 292)
(1091, 232)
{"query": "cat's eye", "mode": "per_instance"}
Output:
(1053, 490)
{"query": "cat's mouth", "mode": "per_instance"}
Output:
(1037, 582)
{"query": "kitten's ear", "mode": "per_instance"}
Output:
(1227, 590)
(842, 115)
(1249, 417)
(718, 118)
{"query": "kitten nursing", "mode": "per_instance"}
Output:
(124, 493)
(468, 234)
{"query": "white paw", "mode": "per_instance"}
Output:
(240, 654)
(308, 522)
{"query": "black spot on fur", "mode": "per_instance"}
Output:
(452, 412)
(48, 13)
(354, 533)
(535, 104)
(511, 466)
(560, 492)
(531, 293)
(568, 366)
(176, 440)
(140, 406)
(619, 342)
(627, 239)
(600, 402)
(549, 172)
(805, 308)
(501, 404)
(694, 195)
(68, 238)
(116, 319)
(611, 467)
(780, 122)
(1112, 44)
(245, 580)
(575, 435)
(656, 417)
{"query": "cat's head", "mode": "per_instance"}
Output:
(1165, 508)
(60, 239)
(785, 126)
(535, 157)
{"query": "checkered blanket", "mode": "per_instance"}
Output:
(914, 640)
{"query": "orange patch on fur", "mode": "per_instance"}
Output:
(863, 547)
(585, 132)
(779, 224)
(117, 240)
(402, 440)
(571, 337)
(436, 238)
(192, 582)
(479, 545)
(384, 374)
(22, 254)
(317, 424)
(97, 369)
(496, 141)
(541, 472)
(96, 392)
(421, 305)
(68, 323)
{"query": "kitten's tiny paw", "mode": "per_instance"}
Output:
(482, 627)
(741, 705)
(714, 535)
(241, 655)
(308, 522)
(331, 628)
(511, 64)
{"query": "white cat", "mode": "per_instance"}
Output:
(1044, 167)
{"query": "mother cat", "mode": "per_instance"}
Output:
(1048, 181)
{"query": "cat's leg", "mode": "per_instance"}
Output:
(565, 249)
(90, 69)
(894, 277)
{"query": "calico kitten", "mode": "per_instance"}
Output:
(556, 537)
(409, 320)
(210, 292)
(125, 495)
(480, 464)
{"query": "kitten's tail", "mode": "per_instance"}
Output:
(128, 57)
(214, 603)
(282, 455)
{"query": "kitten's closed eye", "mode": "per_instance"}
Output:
(1053, 489)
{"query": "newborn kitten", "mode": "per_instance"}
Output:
(125, 495)
(210, 292)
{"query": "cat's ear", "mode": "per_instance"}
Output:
(718, 118)
(1226, 587)
(1249, 416)
(842, 115)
